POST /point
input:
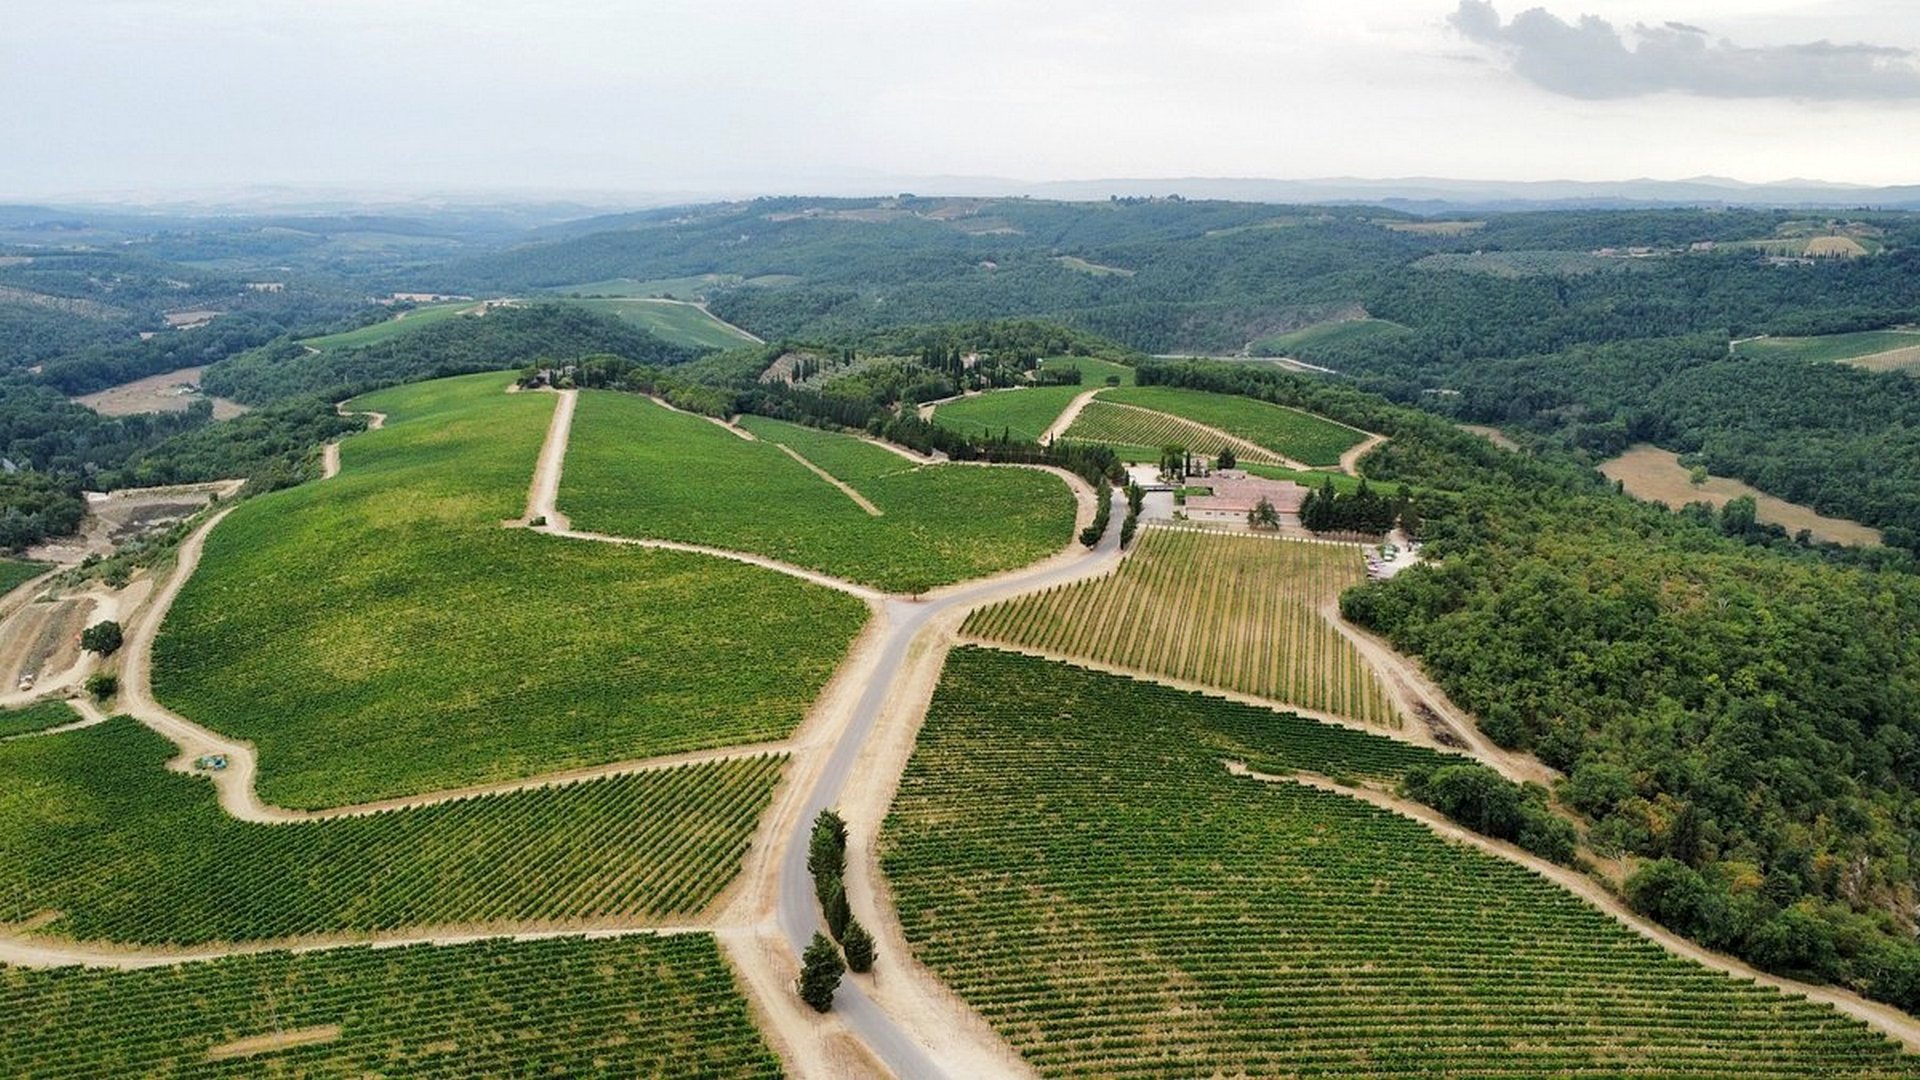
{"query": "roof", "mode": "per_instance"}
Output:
(1235, 492)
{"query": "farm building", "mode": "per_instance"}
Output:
(1234, 494)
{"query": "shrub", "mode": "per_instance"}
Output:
(102, 637)
(103, 685)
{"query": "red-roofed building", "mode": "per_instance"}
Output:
(1235, 494)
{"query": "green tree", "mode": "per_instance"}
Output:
(1263, 515)
(1227, 458)
(103, 685)
(827, 845)
(833, 904)
(1173, 462)
(1738, 516)
(820, 971)
(859, 946)
(102, 637)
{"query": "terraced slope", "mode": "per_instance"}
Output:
(92, 825)
(1069, 852)
(633, 1006)
(637, 469)
(381, 634)
(1234, 611)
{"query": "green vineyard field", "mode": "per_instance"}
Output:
(92, 825)
(36, 717)
(1302, 436)
(380, 634)
(1026, 413)
(1139, 433)
(1070, 855)
(633, 1006)
(1235, 611)
(16, 572)
(637, 469)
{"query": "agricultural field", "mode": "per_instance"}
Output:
(1290, 433)
(692, 288)
(1346, 332)
(1027, 412)
(1231, 610)
(381, 634)
(1138, 434)
(404, 322)
(561, 1006)
(671, 320)
(637, 469)
(1075, 262)
(1315, 477)
(94, 826)
(1648, 472)
(17, 572)
(1070, 855)
(1875, 350)
(36, 717)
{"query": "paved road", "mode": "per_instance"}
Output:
(798, 913)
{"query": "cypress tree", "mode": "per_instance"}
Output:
(859, 946)
(820, 971)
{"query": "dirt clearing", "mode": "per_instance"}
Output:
(169, 392)
(279, 1040)
(1651, 473)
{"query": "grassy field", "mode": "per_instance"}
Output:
(632, 1006)
(380, 633)
(1315, 477)
(637, 469)
(680, 323)
(15, 572)
(1346, 332)
(1304, 437)
(1075, 262)
(1227, 610)
(37, 717)
(1651, 473)
(1875, 350)
(1070, 855)
(695, 287)
(1026, 413)
(405, 323)
(93, 825)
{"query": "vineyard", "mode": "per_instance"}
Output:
(637, 469)
(36, 717)
(16, 572)
(634, 1006)
(1141, 433)
(93, 825)
(1231, 610)
(380, 634)
(1026, 413)
(1302, 436)
(1070, 855)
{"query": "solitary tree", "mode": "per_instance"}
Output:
(1263, 515)
(859, 946)
(820, 971)
(1227, 458)
(102, 637)
(1173, 462)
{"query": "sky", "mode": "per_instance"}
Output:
(180, 97)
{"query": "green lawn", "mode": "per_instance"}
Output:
(1288, 432)
(406, 323)
(1314, 478)
(93, 825)
(1027, 412)
(682, 324)
(38, 717)
(1070, 855)
(380, 633)
(14, 572)
(1833, 347)
(637, 469)
(634, 1006)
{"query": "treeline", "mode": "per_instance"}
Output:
(506, 337)
(1362, 510)
(272, 447)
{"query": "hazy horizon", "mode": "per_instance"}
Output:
(171, 98)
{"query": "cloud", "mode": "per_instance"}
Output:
(1593, 59)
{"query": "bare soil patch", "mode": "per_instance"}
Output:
(170, 392)
(278, 1040)
(1651, 473)
(1492, 435)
